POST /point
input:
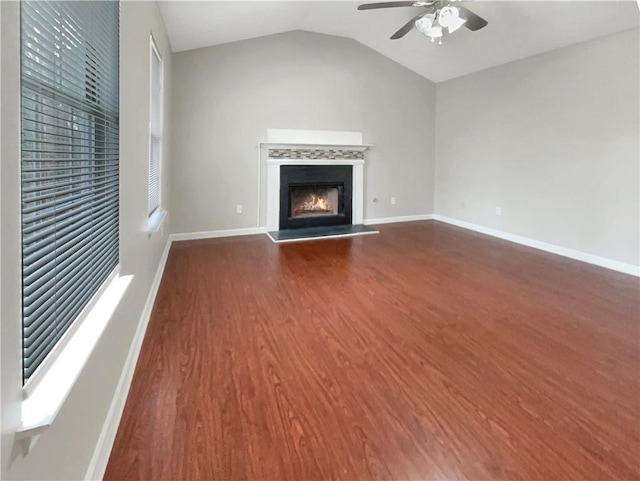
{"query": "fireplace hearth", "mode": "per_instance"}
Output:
(315, 195)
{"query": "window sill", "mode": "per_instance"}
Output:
(156, 220)
(44, 400)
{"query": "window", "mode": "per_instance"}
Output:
(155, 131)
(69, 164)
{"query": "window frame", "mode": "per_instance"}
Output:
(35, 383)
(157, 215)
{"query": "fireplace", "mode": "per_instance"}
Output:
(305, 170)
(315, 195)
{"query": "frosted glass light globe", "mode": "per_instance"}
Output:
(448, 16)
(425, 23)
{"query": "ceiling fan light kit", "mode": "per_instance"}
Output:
(433, 27)
(424, 24)
(435, 32)
(449, 17)
(439, 18)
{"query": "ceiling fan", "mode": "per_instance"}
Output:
(440, 17)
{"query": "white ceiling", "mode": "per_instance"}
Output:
(516, 29)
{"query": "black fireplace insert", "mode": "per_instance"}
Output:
(315, 195)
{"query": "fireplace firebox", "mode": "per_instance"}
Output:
(314, 201)
(315, 195)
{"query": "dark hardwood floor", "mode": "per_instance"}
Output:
(424, 352)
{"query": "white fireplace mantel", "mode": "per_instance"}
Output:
(312, 140)
(315, 161)
(305, 146)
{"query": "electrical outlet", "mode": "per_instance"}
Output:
(239, 209)
(498, 211)
(393, 201)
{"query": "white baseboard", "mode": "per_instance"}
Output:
(393, 220)
(217, 233)
(101, 454)
(554, 249)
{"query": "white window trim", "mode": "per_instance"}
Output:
(48, 387)
(157, 217)
(155, 221)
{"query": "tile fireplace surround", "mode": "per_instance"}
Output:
(312, 147)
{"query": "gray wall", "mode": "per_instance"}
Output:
(554, 141)
(65, 450)
(226, 97)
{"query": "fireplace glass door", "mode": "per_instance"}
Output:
(314, 201)
(315, 195)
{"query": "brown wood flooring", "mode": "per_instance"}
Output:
(424, 352)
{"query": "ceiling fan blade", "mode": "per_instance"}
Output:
(406, 28)
(473, 22)
(371, 6)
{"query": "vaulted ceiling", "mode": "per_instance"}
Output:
(516, 29)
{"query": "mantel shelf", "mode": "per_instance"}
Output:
(315, 161)
(295, 145)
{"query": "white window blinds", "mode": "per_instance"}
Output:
(69, 164)
(155, 130)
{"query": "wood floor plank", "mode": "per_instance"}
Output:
(425, 352)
